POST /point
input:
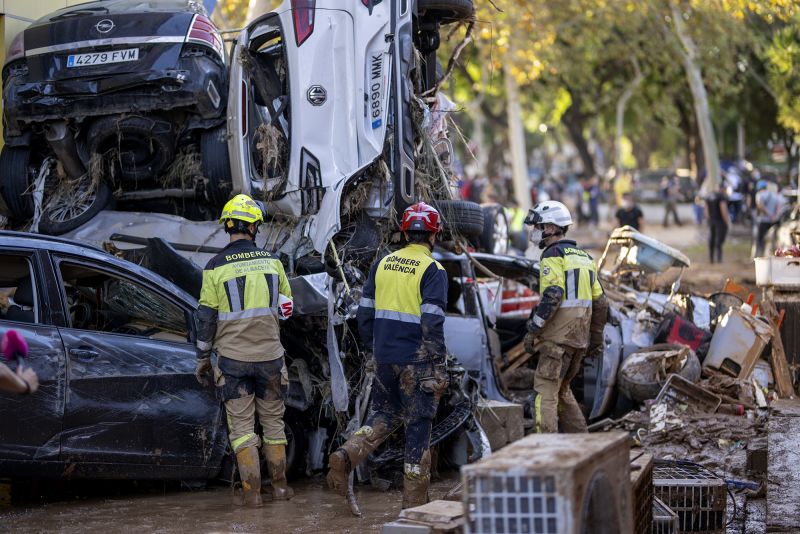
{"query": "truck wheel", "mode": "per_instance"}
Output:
(446, 10)
(216, 165)
(494, 238)
(68, 208)
(461, 217)
(15, 181)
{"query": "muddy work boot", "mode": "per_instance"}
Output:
(276, 464)
(250, 473)
(365, 440)
(416, 479)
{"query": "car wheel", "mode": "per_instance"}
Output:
(15, 181)
(446, 10)
(68, 208)
(216, 165)
(297, 443)
(494, 238)
(461, 217)
(143, 146)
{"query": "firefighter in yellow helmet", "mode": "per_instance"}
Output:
(568, 320)
(244, 295)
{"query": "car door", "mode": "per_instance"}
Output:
(133, 397)
(30, 425)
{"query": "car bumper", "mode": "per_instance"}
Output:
(198, 83)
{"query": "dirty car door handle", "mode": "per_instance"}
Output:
(83, 354)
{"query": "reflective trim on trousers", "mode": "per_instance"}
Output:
(367, 303)
(576, 303)
(247, 314)
(275, 441)
(433, 309)
(204, 345)
(397, 316)
(238, 442)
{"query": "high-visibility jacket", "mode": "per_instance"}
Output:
(238, 312)
(568, 286)
(401, 313)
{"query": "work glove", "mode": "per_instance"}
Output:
(595, 351)
(203, 370)
(530, 342)
(436, 384)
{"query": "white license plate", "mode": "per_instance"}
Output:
(102, 58)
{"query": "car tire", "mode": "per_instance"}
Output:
(216, 165)
(461, 217)
(60, 219)
(147, 144)
(15, 181)
(494, 237)
(446, 10)
(297, 444)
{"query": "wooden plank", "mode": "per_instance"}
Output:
(783, 479)
(435, 512)
(780, 367)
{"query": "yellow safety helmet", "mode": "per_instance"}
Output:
(242, 208)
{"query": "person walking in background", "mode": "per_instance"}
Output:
(769, 206)
(629, 213)
(718, 221)
(671, 194)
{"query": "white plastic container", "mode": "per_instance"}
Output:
(776, 271)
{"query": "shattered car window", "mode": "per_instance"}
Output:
(99, 301)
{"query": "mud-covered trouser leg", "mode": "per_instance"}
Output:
(416, 385)
(272, 381)
(547, 383)
(570, 415)
(383, 419)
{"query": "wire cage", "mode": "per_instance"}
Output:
(697, 496)
(642, 491)
(665, 521)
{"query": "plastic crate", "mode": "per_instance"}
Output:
(778, 272)
(665, 520)
(551, 484)
(699, 498)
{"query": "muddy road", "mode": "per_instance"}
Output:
(314, 509)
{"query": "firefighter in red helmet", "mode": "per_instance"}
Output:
(401, 318)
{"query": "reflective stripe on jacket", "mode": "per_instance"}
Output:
(572, 271)
(238, 312)
(401, 314)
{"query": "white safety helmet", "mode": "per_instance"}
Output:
(547, 212)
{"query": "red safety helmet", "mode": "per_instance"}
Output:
(421, 217)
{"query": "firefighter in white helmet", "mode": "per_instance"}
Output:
(568, 320)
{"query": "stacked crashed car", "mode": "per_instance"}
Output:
(326, 110)
(118, 95)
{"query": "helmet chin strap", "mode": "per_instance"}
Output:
(545, 237)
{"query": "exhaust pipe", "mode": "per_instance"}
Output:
(63, 144)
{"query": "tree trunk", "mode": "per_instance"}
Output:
(574, 120)
(694, 75)
(621, 105)
(481, 152)
(516, 134)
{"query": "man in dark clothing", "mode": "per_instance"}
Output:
(401, 318)
(718, 221)
(629, 213)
